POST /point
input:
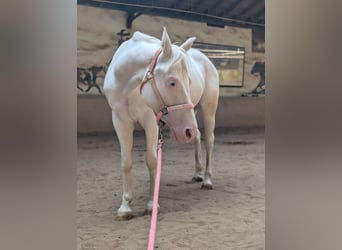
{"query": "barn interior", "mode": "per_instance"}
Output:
(231, 215)
(230, 32)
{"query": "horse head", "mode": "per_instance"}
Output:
(172, 88)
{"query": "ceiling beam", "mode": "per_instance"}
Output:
(215, 4)
(195, 14)
(233, 5)
(196, 5)
(260, 12)
(177, 3)
(249, 7)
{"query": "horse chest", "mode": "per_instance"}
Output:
(136, 105)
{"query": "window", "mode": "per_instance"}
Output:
(228, 60)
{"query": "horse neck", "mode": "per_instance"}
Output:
(135, 67)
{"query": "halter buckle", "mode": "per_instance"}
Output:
(149, 75)
(164, 110)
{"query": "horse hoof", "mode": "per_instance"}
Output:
(207, 186)
(124, 217)
(149, 208)
(124, 213)
(147, 212)
(197, 178)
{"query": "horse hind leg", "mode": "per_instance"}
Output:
(124, 131)
(209, 141)
(198, 176)
(209, 126)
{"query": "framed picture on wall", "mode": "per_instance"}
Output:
(228, 60)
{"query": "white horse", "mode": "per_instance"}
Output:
(147, 74)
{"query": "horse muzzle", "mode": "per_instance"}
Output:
(185, 134)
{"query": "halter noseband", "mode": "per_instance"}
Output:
(164, 109)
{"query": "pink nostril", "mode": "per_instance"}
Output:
(189, 133)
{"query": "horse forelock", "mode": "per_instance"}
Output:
(178, 56)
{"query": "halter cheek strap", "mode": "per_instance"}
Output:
(164, 109)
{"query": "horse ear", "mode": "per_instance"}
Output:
(188, 43)
(166, 44)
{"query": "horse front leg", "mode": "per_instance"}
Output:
(209, 126)
(209, 142)
(151, 133)
(198, 176)
(124, 130)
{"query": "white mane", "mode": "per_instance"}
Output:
(139, 36)
(178, 56)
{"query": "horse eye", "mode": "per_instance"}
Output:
(172, 84)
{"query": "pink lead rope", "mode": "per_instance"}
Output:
(153, 225)
(164, 110)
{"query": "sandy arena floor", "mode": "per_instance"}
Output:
(231, 216)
